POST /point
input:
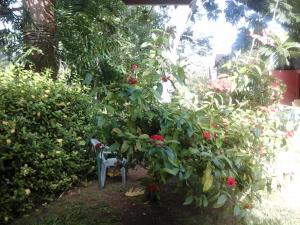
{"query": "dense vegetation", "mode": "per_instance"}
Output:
(44, 139)
(216, 147)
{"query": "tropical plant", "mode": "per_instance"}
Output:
(279, 52)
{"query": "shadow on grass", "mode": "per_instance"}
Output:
(64, 213)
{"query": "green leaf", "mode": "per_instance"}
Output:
(172, 141)
(181, 74)
(227, 160)
(115, 146)
(173, 171)
(236, 210)
(193, 151)
(145, 44)
(204, 201)
(152, 151)
(188, 200)
(100, 121)
(144, 136)
(124, 147)
(190, 131)
(218, 163)
(221, 201)
(173, 162)
(88, 79)
(169, 152)
(219, 143)
(187, 174)
(138, 146)
(159, 88)
(110, 109)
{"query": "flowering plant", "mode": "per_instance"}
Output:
(214, 149)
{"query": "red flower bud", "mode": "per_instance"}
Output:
(231, 182)
(99, 145)
(157, 140)
(289, 134)
(153, 188)
(131, 80)
(157, 137)
(165, 78)
(223, 84)
(206, 135)
(134, 67)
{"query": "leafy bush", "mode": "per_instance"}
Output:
(44, 132)
(218, 150)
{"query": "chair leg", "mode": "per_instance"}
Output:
(103, 174)
(99, 165)
(123, 172)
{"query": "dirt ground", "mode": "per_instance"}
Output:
(138, 210)
(110, 206)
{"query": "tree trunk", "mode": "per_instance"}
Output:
(39, 32)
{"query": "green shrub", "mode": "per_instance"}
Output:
(218, 149)
(44, 133)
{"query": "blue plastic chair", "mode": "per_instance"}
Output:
(106, 159)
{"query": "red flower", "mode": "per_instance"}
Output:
(289, 134)
(223, 84)
(165, 78)
(134, 67)
(206, 135)
(153, 188)
(99, 145)
(157, 138)
(231, 182)
(131, 80)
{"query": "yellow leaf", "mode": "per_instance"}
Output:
(138, 146)
(124, 147)
(133, 192)
(27, 191)
(207, 179)
(117, 131)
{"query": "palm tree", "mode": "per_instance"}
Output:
(39, 32)
(279, 52)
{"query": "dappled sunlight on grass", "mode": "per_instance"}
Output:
(282, 207)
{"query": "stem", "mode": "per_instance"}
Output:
(274, 14)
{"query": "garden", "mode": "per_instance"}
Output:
(201, 144)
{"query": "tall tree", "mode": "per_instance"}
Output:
(39, 31)
(257, 14)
